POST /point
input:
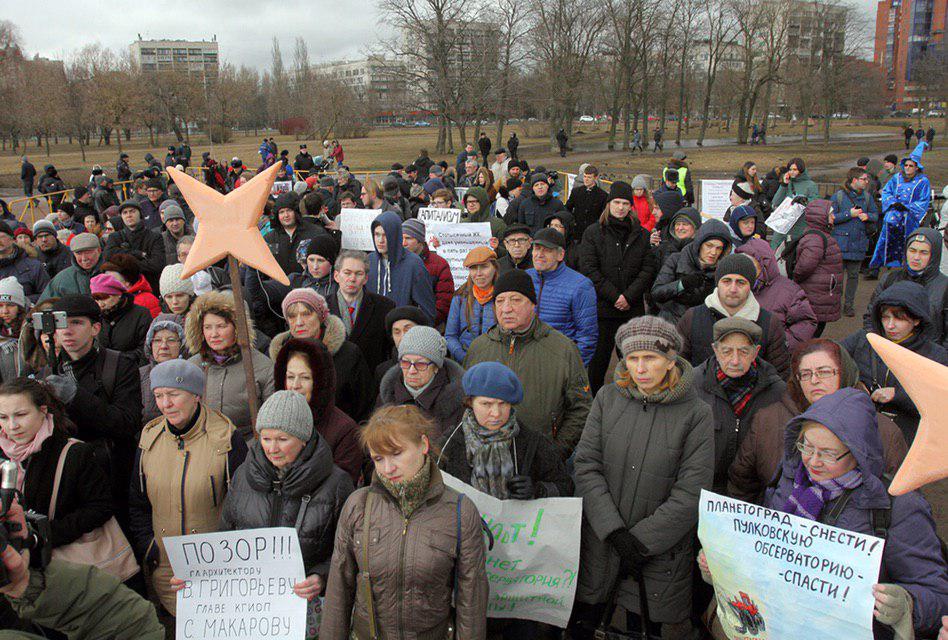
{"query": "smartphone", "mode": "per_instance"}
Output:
(49, 321)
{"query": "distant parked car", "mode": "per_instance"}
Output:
(587, 119)
(936, 113)
(841, 116)
(422, 123)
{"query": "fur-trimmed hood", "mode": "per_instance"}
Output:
(320, 361)
(217, 302)
(334, 334)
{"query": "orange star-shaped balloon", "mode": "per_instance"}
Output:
(228, 223)
(926, 382)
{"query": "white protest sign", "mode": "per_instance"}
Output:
(239, 584)
(715, 197)
(455, 241)
(433, 215)
(568, 179)
(459, 193)
(356, 228)
(778, 576)
(532, 567)
(785, 216)
(283, 186)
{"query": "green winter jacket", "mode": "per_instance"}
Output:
(497, 225)
(802, 185)
(84, 603)
(69, 281)
(556, 396)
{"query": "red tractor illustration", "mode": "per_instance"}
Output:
(747, 613)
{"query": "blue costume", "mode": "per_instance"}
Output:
(900, 221)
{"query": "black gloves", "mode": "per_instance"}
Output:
(631, 558)
(521, 488)
(800, 200)
(898, 206)
(692, 281)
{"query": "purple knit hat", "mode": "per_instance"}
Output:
(310, 298)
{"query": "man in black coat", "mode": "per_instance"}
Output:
(123, 171)
(587, 202)
(101, 391)
(304, 162)
(138, 241)
(27, 176)
(104, 195)
(561, 140)
(361, 311)
(289, 230)
(484, 145)
(54, 255)
(533, 208)
(513, 143)
(518, 244)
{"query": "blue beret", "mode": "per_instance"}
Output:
(178, 374)
(493, 380)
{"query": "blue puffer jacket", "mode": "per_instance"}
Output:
(850, 232)
(460, 333)
(912, 556)
(403, 277)
(566, 300)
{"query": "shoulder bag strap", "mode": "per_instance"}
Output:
(837, 508)
(56, 479)
(367, 583)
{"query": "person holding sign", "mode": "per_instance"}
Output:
(477, 209)
(406, 544)
(644, 456)
(832, 473)
(472, 307)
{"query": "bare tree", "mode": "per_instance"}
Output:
(720, 26)
(931, 73)
(686, 22)
(512, 30)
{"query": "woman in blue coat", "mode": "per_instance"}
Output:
(472, 307)
(832, 473)
(854, 209)
(905, 199)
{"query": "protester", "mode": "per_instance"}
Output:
(210, 333)
(177, 294)
(518, 245)
(780, 295)
(289, 229)
(395, 272)
(54, 255)
(175, 493)
(124, 268)
(13, 308)
(307, 315)
(413, 239)
(17, 263)
(854, 211)
(732, 297)
(817, 265)
(174, 227)
(587, 202)
(446, 556)
(124, 323)
(73, 280)
(796, 185)
(139, 241)
(425, 378)
(759, 199)
(397, 323)
(687, 278)
(643, 541)
(472, 306)
(547, 363)
(744, 224)
(684, 184)
(667, 197)
(150, 205)
(164, 341)
(901, 314)
(477, 209)
(533, 208)
(671, 235)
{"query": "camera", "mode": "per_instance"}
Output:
(36, 536)
(47, 322)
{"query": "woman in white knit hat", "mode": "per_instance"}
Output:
(13, 308)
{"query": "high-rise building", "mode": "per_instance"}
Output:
(377, 80)
(905, 31)
(196, 58)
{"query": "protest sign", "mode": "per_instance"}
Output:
(432, 215)
(455, 241)
(239, 584)
(356, 228)
(459, 193)
(777, 575)
(715, 197)
(282, 186)
(532, 567)
(785, 216)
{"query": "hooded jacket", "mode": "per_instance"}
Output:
(640, 466)
(401, 275)
(337, 429)
(284, 248)
(308, 496)
(619, 262)
(144, 297)
(851, 233)
(441, 400)
(733, 219)
(668, 292)
(819, 266)
(566, 300)
(931, 277)
(668, 199)
(497, 225)
(873, 371)
(912, 557)
(355, 388)
(780, 295)
(802, 185)
(669, 243)
(225, 384)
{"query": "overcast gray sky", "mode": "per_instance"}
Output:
(333, 29)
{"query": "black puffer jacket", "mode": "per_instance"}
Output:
(666, 292)
(124, 329)
(441, 400)
(617, 258)
(308, 496)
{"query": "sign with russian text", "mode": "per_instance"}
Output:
(778, 576)
(433, 215)
(532, 567)
(454, 241)
(715, 197)
(356, 228)
(281, 186)
(239, 585)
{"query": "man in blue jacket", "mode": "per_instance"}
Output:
(566, 299)
(395, 272)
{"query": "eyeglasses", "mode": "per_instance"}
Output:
(808, 375)
(809, 451)
(420, 367)
(728, 352)
(517, 241)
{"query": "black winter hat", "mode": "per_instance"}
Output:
(515, 228)
(517, 281)
(131, 203)
(414, 314)
(620, 191)
(79, 306)
(287, 201)
(550, 238)
(323, 245)
(154, 183)
(736, 264)
(671, 175)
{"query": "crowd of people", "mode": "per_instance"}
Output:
(615, 345)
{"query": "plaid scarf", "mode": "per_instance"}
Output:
(490, 454)
(808, 497)
(737, 390)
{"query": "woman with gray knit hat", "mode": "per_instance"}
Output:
(645, 454)
(426, 378)
(164, 341)
(182, 471)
